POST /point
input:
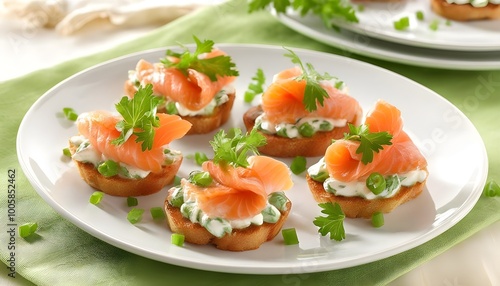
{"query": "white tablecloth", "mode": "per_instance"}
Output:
(23, 49)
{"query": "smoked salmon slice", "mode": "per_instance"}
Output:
(100, 128)
(282, 102)
(194, 91)
(401, 157)
(237, 192)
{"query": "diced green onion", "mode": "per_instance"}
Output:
(200, 178)
(320, 177)
(361, 8)
(378, 219)
(171, 108)
(270, 214)
(70, 113)
(325, 126)
(157, 213)
(290, 236)
(298, 165)
(96, 197)
(306, 130)
(177, 239)
(434, 25)
(491, 189)
(28, 229)
(132, 202)
(420, 15)
(66, 152)
(176, 199)
(402, 23)
(200, 157)
(376, 183)
(282, 132)
(108, 168)
(278, 199)
(448, 22)
(177, 180)
(135, 215)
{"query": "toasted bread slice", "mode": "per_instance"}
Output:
(465, 12)
(278, 146)
(248, 238)
(124, 187)
(201, 124)
(355, 207)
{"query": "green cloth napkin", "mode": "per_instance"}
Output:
(63, 254)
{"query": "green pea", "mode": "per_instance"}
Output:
(306, 130)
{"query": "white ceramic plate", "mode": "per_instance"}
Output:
(442, 134)
(377, 21)
(363, 44)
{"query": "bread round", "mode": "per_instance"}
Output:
(201, 124)
(465, 12)
(358, 207)
(279, 146)
(248, 238)
(124, 187)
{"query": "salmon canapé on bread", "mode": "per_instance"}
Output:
(122, 158)
(301, 112)
(375, 168)
(196, 86)
(236, 202)
(467, 10)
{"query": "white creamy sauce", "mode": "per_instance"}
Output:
(292, 130)
(475, 3)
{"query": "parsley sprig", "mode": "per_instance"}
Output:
(256, 87)
(232, 149)
(314, 93)
(327, 10)
(212, 67)
(333, 223)
(139, 117)
(369, 141)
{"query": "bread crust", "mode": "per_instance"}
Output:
(278, 146)
(465, 12)
(358, 207)
(248, 238)
(124, 187)
(201, 124)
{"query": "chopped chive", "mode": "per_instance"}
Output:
(290, 236)
(28, 229)
(135, 215)
(96, 197)
(177, 181)
(66, 152)
(420, 15)
(298, 165)
(434, 25)
(278, 199)
(378, 219)
(157, 212)
(177, 239)
(491, 189)
(132, 202)
(200, 157)
(108, 168)
(402, 23)
(306, 130)
(202, 179)
(376, 183)
(70, 113)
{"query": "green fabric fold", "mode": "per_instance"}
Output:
(62, 254)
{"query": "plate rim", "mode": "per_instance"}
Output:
(466, 206)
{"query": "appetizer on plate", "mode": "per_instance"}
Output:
(374, 168)
(467, 10)
(236, 202)
(127, 154)
(196, 86)
(302, 111)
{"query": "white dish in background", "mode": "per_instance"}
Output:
(362, 44)
(450, 194)
(376, 20)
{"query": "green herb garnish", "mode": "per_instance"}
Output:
(177, 239)
(376, 183)
(420, 15)
(299, 165)
(135, 215)
(313, 93)
(491, 189)
(66, 152)
(200, 157)
(139, 117)
(27, 229)
(212, 67)
(370, 141)
(96, 197)
(434, 25)
(132, 201)
(70, 113)
(157, 212)
(233, 150)
(378, 219)
(402, 24)
(333, 223)
(200, 178)
(325, 9)
(290, 236)
(256, 87)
